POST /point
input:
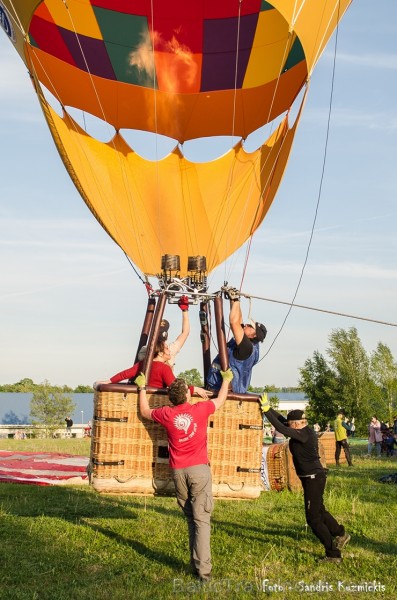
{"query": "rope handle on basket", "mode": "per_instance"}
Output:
(235, 489)
(160, 488)
(119, 480)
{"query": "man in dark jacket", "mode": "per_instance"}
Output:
(304, 449)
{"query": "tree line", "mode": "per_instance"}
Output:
(350, 379)
(347, 378)
(27, 385)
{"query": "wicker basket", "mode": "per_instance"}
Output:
(279, 467)
(130, 454)
(327, 440)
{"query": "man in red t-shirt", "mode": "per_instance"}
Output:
(186, 426)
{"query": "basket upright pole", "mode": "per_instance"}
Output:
(154, 333)
(151, 305)
(205, 338)
(220, 333)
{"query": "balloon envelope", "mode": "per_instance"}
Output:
(181, 69)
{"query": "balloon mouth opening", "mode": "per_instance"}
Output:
(155, 146)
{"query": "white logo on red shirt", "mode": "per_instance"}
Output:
(183, 421)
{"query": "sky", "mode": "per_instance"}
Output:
(71, 307)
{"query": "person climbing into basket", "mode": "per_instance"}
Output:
(161, 375)
(304, 449)
(186, 425)
(242, 349)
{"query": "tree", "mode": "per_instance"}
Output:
(25, 385)
(351, 363)
(319, 383)
(83, 389)
(266, 388)
(384, 373)
(192, 377)
(10, 418)
(49, 406)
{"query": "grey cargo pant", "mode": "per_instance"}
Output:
(193, 486)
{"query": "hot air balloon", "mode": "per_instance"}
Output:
(185, 70)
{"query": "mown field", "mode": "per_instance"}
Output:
(59, 543)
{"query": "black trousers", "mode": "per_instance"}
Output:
(320, 521)
(338, 447)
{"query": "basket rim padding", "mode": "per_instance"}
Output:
(128, 388)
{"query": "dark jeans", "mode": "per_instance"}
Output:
(338, 447)
(320, 521)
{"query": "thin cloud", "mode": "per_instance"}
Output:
(354, 119)
(371, 61)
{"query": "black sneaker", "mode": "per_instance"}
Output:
(330, 559)
(342, 540)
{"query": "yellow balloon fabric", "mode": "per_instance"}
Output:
(173, 206)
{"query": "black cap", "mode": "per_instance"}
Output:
(261, 332)
(296, 415)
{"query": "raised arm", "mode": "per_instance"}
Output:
(183, 304)
(280, 422)
(144, 408)
(227, 377)
(236, 316)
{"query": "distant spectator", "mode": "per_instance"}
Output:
(390, 442)
(341, 428)
(317, 428)
(374, 436)
(88, 429)
(69, 425)
(277, 437)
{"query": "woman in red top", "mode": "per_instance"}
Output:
(161, 375)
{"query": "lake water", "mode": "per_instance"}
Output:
(15, 408)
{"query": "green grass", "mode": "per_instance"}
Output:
(59, 543)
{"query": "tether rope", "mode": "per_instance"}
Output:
(322, 310)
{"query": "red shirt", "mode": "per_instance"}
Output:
(186, 426)
(161, 375)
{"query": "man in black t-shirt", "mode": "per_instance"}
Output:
(304, 449)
